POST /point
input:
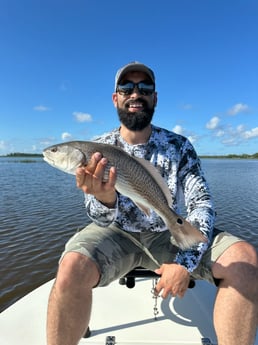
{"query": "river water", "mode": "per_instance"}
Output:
(40, 208)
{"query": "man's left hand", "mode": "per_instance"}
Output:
(174, 280)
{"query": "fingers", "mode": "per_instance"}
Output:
(112, 177)
(83, 173)
(174, 291)
(88, 177)
(174, 280)
(96, 166)
(93, 180)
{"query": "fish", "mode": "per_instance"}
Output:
(136, 179)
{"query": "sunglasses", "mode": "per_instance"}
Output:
(128, 87)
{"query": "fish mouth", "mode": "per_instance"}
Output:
(46, 158)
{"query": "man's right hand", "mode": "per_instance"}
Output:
(90, 180)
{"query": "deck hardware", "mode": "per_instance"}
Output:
(110, 340)
(87, 333)
(206, 341)
(155, 297)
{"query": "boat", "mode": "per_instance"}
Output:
(121, 316)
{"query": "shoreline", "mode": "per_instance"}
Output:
(229, 156)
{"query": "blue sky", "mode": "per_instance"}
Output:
(58, 60)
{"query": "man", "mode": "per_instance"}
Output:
(117, 224)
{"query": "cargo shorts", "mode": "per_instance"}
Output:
(117, 252)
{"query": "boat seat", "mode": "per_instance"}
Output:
(139, 272)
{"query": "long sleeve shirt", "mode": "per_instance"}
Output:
(176, 160)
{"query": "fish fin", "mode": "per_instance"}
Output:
(143, 208)
(157, 177)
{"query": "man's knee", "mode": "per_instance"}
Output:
(245, 252)
(77, 269)
(239, 260)
(238, 267)
(246, 265)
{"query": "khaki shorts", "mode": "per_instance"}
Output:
(117, 252)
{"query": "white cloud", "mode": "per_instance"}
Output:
(66, 136)
(220, 133)
(213, 123)
(240, 128)
(2, 145)
(235, 136)
(41, 108)
(190, 136)
(253, 133)
(82, 117)
(178, 129)
(238, 108)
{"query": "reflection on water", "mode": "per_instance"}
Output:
(41, 208)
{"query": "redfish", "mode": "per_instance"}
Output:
(137, 179)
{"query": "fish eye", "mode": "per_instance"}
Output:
(179, 221)
(54, 149)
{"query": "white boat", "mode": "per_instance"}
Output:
(121, 316)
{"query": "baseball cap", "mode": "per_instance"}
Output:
(134, 66)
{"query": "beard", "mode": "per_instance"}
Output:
(136, 121)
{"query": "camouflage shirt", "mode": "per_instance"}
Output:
(175, 158)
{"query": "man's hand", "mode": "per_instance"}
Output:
(174, 280)
(90, 180)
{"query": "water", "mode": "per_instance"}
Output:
(41, 208)
(234, 186)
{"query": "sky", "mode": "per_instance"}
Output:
(58, 60)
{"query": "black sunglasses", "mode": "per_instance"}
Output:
(127, 88)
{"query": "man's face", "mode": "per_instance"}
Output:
(135, 110)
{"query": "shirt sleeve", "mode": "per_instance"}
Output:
(99, 213)
(199, 206)
(190, 258)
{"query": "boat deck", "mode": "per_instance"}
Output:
(121, 316)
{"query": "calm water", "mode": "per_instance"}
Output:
(41, 208)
